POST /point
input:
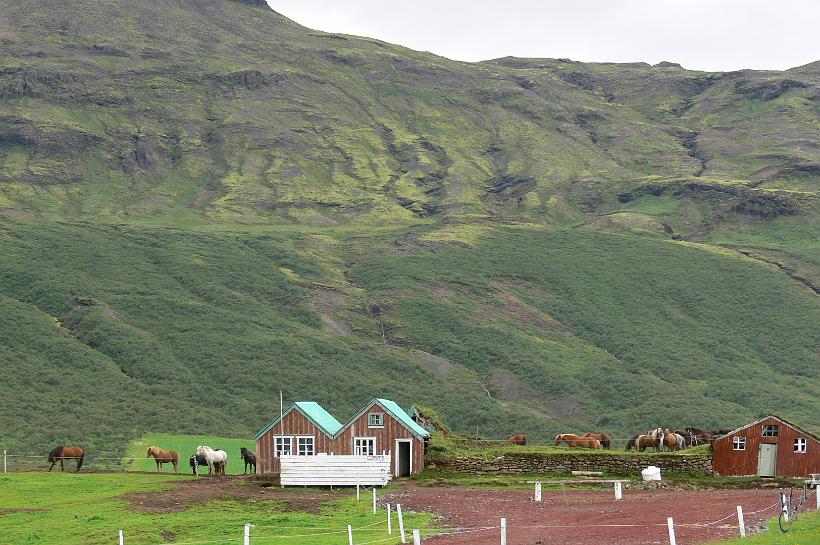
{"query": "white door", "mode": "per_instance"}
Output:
(767, 460)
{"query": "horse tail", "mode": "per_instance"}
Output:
(81, 459)
(54, 455)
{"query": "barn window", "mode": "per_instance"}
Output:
(304, 446)
(284, 446)
(770, 430)
(739, 442)
(364, 446)
(800, 445)
(375, 420)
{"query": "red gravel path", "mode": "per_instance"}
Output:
(582, 510)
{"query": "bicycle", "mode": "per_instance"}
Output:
(790, 507)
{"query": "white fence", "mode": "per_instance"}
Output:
(335, 470)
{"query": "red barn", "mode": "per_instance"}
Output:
(769, 447)
(306, 429)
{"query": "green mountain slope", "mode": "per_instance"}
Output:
(202, 203)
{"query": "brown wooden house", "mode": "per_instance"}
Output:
(769, 447)
(307, 429)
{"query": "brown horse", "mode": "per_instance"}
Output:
(250, 459)
(606, 440)
(645, 441)
(163, 457)
(517, 439)
(58, 454)
(576, 441)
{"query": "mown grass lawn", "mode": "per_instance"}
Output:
(87, 509)
(805, 531)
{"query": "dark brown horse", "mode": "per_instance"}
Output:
(197, 460)
(163, 457)
(631, 443)
(250, 459)
(58, 454)
(606, 440)
(517, 439)
(577, 441)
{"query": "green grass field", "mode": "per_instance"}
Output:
(186, 446)
(86, 509)
(806, 531)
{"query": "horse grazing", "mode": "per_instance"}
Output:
(250, 459)
(606, 440)
(58, 454)
(163, 457)
(517, 439)
(631, 443)
(577, 441)
(196, 460)
(217, 459)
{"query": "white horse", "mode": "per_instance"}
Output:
(657, 436)
(214, 458)
(681, 441)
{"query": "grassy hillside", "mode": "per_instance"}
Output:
(203, 203)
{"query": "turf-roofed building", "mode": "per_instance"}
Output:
(305, 428)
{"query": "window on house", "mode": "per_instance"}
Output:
(771, 431)
(375, 420)
(304, 446)
(738, 442)
(364, 446)
(800, 445)
(284, 446)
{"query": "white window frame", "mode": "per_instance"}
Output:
(279, 450)
(770, 427)
(299, 444)
(801, 445)
(371, 424)
(359, 442)
(739, 442)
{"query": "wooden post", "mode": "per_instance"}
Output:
(416, 538)
(740, 522)
(374, 500)
(401, 523)
(122, 538)
(357, 487)
(389, 521)
(671, 525)
(247, 537)
(349, 534)
(503, 531)
(537, 490)
(5, 470)
(619, 494)
(196, 466)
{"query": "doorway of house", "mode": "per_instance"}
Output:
(767, 460)
(403, 448)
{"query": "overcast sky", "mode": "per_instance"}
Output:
(699, 34)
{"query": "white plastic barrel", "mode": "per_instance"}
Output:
(651, 473)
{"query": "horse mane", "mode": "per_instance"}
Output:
(55, 453)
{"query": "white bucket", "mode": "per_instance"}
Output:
(651, 473)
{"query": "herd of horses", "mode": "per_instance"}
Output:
(657, 439)
(215, 459)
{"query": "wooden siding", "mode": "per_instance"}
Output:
(385, 438)
(730, 462)
(294, 423)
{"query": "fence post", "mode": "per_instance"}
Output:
(4, 461)
(537, 490)
(401, 523)
(416, 538)
(503, 531)
(349, 534)
(671, 525)
(196, 466)
(619, 494)
(357, 487)
(740, 522)
(122, 538)
(247, 536)
(389, 521)
(374, 500)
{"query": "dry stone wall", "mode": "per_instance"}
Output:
(563, 464)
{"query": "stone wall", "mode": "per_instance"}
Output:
(563, 464)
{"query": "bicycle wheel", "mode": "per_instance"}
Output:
(785, 522)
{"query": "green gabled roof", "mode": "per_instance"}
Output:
(313, 412)
(399, 414)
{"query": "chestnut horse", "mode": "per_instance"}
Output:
(517, 439)
(58, 454)
(606, 440)
(645, 441)
(250, 459)
(163, 457)
(576, 441)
